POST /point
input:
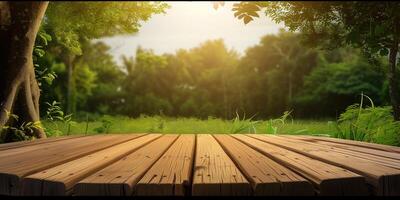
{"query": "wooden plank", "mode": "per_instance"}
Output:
(13, 168)
(170, 175)
(351, 142)
(381, 160)
(368, 151)
(119, 178)
(327, 179)
(383, 179)
(266, 176)
(12, 145)
(214, 172)
(60, 179)
(24, 150)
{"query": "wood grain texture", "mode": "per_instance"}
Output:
(236, 164)
(266, 176)
(119, 178)
(170, 175)
(214, 172)
(384, 180)
(60, 179)
(23, 150)
(351, 142)
(13, 145)
(388, 159)
(327, 179)
(18, 165)
(356, 148)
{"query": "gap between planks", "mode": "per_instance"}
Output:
(384, 180)
(15, 167)
(60, 179)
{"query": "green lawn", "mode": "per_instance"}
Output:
(108, 124)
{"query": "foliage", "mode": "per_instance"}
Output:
(54, 113)
(42, 72)
(211, 80)
(331, 87)
(382, 131)
(271, 74)
(182, 125)
(23, 131)
(371, 124)
(274, 124)
(372, 26)
(181, 84)
(74, 22)
(73, 26)
(243, 125)
(105, 126)
(158, 125)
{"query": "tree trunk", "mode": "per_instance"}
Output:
(20, 91)
(290, 89)
(393, 84)
(70, 82)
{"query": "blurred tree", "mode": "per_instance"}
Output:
(95, 20)
(106, 92)
(194, 82)
(372, 26)
(331, 87)
(273, 73)
(144, 86)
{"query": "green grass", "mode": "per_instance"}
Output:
(190, 125)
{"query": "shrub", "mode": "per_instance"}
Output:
(371, 124)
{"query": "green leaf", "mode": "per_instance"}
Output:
(247, 19)
(236, 14)
(251, 7)
(59, 118)
(253, 13)
(39, 52)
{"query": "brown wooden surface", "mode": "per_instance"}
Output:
(13, 168)
(327, 179)
(214, 172)
(382, 152)
(351, 142)
(49, 145)
(120, 177)
(267, 176)
(384, 180)
(12, 145)
(171, 174)
(60, 179)
(204, 164)
(382, 159)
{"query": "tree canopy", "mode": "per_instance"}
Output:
(72, 22)
(373, 27)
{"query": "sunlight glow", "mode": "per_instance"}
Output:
(186, 24)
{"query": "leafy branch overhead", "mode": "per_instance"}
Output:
(74, 22)
(247, 10)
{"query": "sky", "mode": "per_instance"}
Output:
(186, 25)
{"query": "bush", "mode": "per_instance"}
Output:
(371, 124)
